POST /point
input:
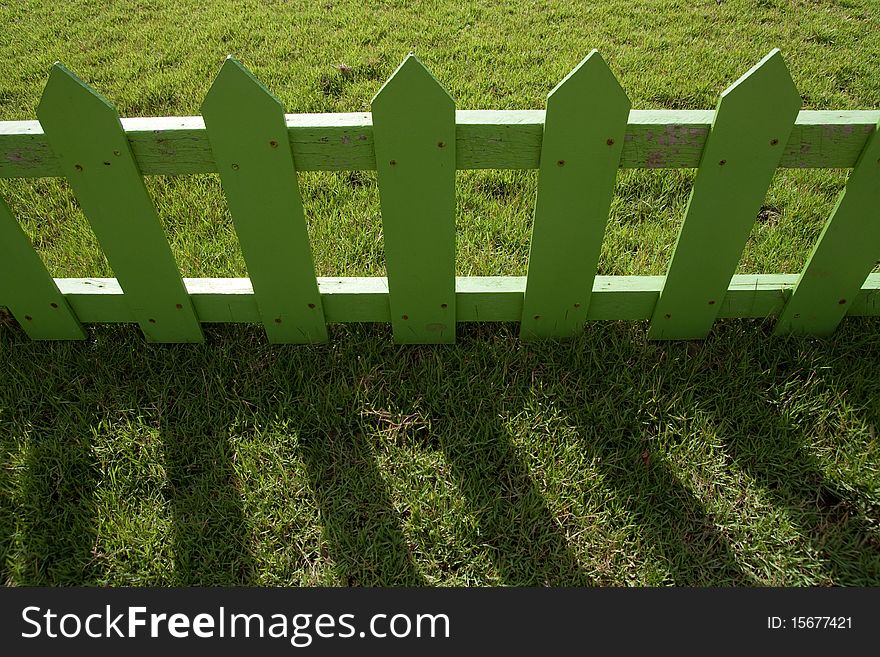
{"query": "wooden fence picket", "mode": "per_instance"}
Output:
(248, 135)
(846, 252)
(28, 289)
(414, 136)
(583, 138)
(751, 127)
(86, 135)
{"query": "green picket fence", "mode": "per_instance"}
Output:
(416, 140)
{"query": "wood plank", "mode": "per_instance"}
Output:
(485, 139)
(414, 129)
(752, 123)
(844, 255)
(87, 137)
(249, 140)
(29, 291)
(479, 299)
(583, 138)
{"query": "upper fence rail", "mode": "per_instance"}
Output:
(484, 139)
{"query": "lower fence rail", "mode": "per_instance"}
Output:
(478, 298)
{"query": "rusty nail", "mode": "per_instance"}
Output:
(179, 306)
(405, 317)
(722, 162)
(311, 305)
(441, 144)
(773, 142)
(610, 142)
(842, 301)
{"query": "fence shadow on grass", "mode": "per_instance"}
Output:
(210, 535)
(362, 529)
(837, 522)
(614, 394)
(775, 433)
(57, 538)
(840, 518)
(682, 536)
(525, 536)
(527, 544)
(69, 399)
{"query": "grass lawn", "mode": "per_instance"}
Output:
(743, 459)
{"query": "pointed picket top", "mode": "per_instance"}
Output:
(584, 130)
(66, 92)
(769, 77)
(235, 83)
(412, 85)
(591, 76)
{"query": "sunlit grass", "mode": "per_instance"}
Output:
(743, 459)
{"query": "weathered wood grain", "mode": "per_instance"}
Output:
(485, 139)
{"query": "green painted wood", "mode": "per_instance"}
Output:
(29, 291)
(752, 123)
(249, 139)
(485, 139)
(583, 138)
(414, 132)
(87, 138)
(479, 299)
(844, 255)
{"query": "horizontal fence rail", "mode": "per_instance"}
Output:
(415, 140)
(478, 298)
(484, 139)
